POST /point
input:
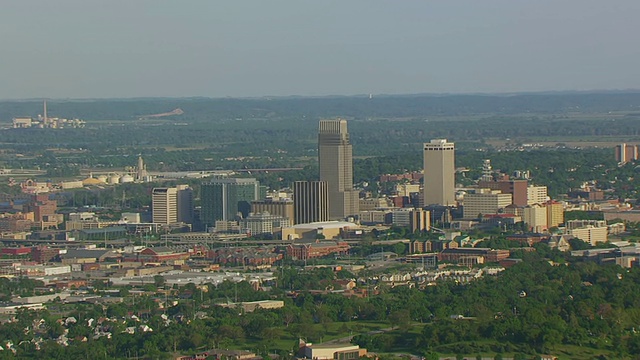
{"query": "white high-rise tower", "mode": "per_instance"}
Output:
(439, 173)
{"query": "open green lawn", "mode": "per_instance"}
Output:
(327, 332)
(579, 352)
(407, 341)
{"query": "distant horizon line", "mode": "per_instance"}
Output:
(329, 96)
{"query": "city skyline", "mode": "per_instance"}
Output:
(281, 48)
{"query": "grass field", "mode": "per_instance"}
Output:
(407, 342)
(330, 332)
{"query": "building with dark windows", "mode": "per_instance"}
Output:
(310, 201)
(225, 199)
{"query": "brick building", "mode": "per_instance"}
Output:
(43, 254)
(16, 222)
(457, 254)
(162, 254)
(16, 251)
(316, 249)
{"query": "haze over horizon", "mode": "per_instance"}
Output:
(121, 49)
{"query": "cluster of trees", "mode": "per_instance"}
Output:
(531, 308)
(238, 134)
(583, 304)
(18, 287)
(195, 322)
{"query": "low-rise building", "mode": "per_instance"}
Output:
(221, 354)
(591, 234)
(16, 222)
(42, 270)
(283, 208)
(590, 231)
(617, 228)
(407, 189)
(331, 351)
(458, 254)
(577, 224)
(561, 242)
(527, 239)
(250, 306)
(264, 223)
(316, 249)
(44, 254)
(485, 201)
(84, 256)
(368, 204)
(243, 256)
(325, 230)
(161, 254)
(16, 251)
(375, 217)
(501, 220)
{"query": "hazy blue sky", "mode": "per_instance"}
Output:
(132, 48)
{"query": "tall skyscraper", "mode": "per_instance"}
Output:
(336, 168)
(310, 201)
(223, 199)
(164, 205)
(185, 204)
(439, 173)
(172, 205)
